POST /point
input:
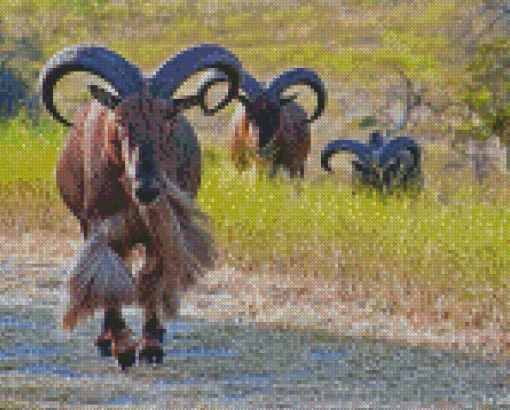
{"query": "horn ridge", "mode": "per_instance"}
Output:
(251, 87)
(177, 69)
(251, 90)
(396, 145)
(362, 151)
(112, 67)
(376, 139)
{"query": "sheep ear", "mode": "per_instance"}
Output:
(104, 97)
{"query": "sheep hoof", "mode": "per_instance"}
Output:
(105, 348)
(152, 354)
(104, 345)
(127, 358)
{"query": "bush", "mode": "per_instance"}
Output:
(17, 78)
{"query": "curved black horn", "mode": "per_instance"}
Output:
(212, 78)
(250, 88)
(396, 150)
(376, 139)
(124, 76)
(167, 79)
(411, 101)
(299, 76)
(394, 147)
(363, 151)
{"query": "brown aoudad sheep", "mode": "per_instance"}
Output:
(129, 171)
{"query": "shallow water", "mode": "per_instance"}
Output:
(230, 365)
(235, 364)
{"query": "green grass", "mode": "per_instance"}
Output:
(432, 240)
(28, 194)
(29, 154)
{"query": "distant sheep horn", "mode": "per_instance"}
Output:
(364, 152)
(298, 76)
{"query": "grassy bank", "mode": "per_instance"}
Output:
(462, 238)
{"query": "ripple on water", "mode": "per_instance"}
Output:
(16, 323)
(38, 350)
(123, 399)
(50, 370)
(397, 373)
(243, 386)
(327, 355)
(301, 373)
(200, 351)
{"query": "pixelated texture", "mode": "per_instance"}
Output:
(152, 256)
